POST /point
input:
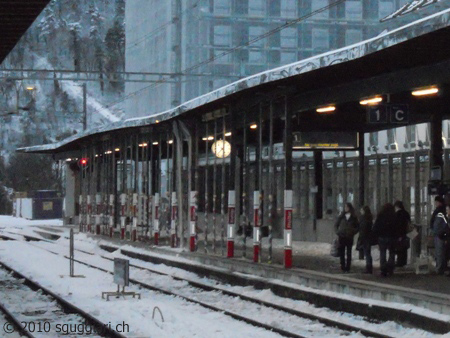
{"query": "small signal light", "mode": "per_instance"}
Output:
(83, 163)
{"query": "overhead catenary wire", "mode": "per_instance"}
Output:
(158, 29)
(231, 50)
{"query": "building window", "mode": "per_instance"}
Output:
(288, 8)
(385, 8)
(274, 8)
(241, 7)
(353, 10)
(289, 38)
(222, 35)
(274, 56)
(411, 133)
(219, 83)
(352, 36)
(391, 136)
(288, 57)
(254, 32)
(320, 38)
(373, 139)
(256, 8)
(222, 59)
(319, 4)
(255, 56)
(222, 7)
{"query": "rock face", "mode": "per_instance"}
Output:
(68, 35)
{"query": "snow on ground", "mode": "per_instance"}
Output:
(6, 325)
(17, 222)
(182, 319)
(134, 313)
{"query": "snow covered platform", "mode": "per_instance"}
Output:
(313, 269)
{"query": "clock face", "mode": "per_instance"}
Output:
(221, 148)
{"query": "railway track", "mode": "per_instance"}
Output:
(211, 296)
(34, 311)
(219, 299)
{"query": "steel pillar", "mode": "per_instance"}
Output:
(287, 186)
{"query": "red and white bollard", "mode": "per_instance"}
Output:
(256, 227)
(142, 213)
(173, 221)
(193, 220)
(156, 222)
(231, 222)
(123, 217)
(111, 215)
(288, 229)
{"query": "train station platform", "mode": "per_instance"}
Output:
(313, 268)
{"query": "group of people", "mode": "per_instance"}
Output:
(389, 232)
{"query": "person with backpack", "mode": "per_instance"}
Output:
(346, 227)
(441, 232)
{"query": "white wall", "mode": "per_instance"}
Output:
(23, 207)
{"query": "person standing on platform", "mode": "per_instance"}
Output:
(439, 205)
(386, 231)
(346, 228)
(441, 232)
(366, 236)
(403, 221)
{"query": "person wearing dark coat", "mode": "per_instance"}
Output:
(346, 228)
(439, 205)
(386, 231)
(441, 232)
(403, 219)
(366, 236)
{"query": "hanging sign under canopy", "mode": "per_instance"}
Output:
(325, 140)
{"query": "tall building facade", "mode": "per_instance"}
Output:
(200, 37)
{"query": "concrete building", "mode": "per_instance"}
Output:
(184, 36)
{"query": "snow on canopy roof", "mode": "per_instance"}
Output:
(386, 39)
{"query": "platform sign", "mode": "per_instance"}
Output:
(325, 140)
(399, 113)
(378, 114)
(121, 271)
(388, 113)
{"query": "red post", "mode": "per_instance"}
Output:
(123, 203)
(134, 211)
(288, 229)
(173, 221)
(193, 220)
(156, 223)
(256, 227)
(231, 222)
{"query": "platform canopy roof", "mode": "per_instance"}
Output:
(16, 16)
(410, 56)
